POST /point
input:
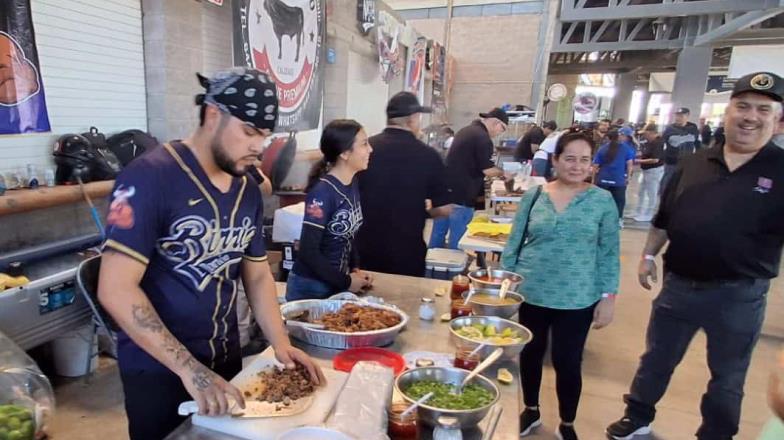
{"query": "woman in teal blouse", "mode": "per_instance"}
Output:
(565, 242)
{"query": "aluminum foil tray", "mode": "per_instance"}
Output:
(339, 340)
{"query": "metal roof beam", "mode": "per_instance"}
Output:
(572, 12)
(618, 45)
(737, 24)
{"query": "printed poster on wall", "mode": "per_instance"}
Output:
(390, 60)
(416, 69)
(22, 100)
(285, 39)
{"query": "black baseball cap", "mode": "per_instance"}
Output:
(497, 113)
(764, 83)
(682, 111)
(405, 104)
(551, 125)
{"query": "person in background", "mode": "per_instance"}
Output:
(706, 133)
(680, 139)
(403, 175)
(613, 165)
(182, 231)
(542, 164)
(652, 164)
(468, 163)
(531, 141)
(328, 262)
(572, 225)
(600, 132)
(449, 134)
(722, 218)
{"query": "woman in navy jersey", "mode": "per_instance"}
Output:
(328, 262)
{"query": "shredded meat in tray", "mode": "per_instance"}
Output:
(354, 318)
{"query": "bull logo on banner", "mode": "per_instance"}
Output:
(284, 38)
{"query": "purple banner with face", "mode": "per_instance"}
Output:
(22, 101)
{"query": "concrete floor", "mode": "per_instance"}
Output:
(96, 411)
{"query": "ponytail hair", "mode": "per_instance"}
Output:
(317, 171)
(337, 138)
(612, 150)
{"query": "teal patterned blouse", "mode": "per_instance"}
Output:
(571, 258)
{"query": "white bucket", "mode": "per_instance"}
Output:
(71, 350)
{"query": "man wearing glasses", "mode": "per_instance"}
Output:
(467, 165)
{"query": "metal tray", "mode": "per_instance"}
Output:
(340, 340)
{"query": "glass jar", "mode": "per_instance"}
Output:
(427, 309)
(448, 429)
(465, 360)
(401, 427)
(460, 308)
(460, 284)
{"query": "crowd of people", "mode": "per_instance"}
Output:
(720, 210)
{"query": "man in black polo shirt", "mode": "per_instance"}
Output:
(467, 165)
(532, 139)
(681, 139)
(402, 175)
(722, 214)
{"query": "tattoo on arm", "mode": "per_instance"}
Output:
(145, 317)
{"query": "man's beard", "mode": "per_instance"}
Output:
(223, 161)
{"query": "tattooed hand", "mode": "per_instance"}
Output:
(208, 389)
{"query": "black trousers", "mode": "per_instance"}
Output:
(152, 399)
(731, 315)
(569, 331)
(619, 196)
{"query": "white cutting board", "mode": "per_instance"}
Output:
(269, 428)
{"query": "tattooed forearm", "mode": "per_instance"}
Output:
(145, 317)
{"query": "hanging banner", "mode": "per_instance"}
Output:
(416, 69)
(22, 100)
(389, 60)
(285, 39)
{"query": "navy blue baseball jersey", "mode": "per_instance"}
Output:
(334, 208)
(166, 214)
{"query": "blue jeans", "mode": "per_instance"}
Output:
(731, 314)
(619, 196)
(456, 225)
(299, 287)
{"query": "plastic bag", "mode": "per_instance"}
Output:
(361, 408)
(26, 396)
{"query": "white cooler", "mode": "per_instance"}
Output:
(445, 264)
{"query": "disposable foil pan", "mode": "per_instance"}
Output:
(339, 340)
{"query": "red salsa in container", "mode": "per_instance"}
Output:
(399, 427)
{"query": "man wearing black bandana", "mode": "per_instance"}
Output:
(183, 228)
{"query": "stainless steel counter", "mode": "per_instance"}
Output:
(405, 292)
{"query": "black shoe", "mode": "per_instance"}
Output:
(627, 428)
(529, 419)
(566, 432)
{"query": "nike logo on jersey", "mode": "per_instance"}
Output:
(194, 202)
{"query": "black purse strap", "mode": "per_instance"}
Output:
(528, 218)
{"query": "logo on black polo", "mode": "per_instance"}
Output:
(763, 81)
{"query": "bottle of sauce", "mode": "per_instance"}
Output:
(460, 285)
(401, 427)
(460, 308)
(465, 360)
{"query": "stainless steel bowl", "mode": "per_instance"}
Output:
(504, 311)
(339, 340)
(510, 350)
(430, 414)
(497, 276)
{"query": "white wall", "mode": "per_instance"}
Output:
(92, 63)
(367, 94)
